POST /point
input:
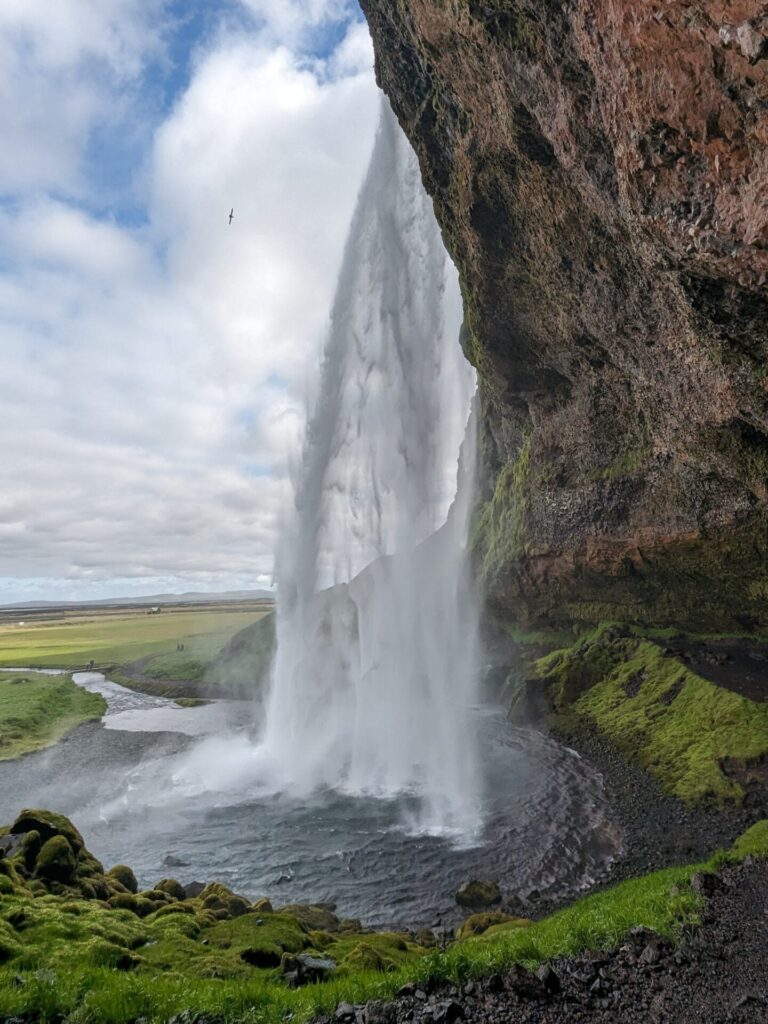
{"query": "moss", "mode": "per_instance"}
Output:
(479, 923)
(753, 842)
(172, 887)
(365, 958)
(677, 725)
(222, 902)
(48, 824)
(56, 860)
(313, 917)
(125, 876)
(498, 536)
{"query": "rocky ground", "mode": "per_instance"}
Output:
(659, 830)
(718, 974)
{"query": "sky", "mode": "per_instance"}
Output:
(155, 359)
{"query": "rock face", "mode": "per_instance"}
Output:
(600, 172)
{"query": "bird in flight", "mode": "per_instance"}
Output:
(231, 215)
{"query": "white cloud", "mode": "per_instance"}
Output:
(153, 375)
(66, 68)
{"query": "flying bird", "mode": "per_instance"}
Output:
(231, 215)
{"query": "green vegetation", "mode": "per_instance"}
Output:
(37, 710)
(498, 534)
(118, 638)
(680, 727)
(153, 955)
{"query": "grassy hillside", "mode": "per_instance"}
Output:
(697, 738)
(37, 710)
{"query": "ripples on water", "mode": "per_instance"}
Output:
(143, 788)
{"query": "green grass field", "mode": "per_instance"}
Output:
(37, 710)
(119, 638)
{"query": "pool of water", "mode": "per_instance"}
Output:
(154, 781)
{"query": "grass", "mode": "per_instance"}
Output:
(80, 961)
(111, 638)
(37, 711)
(671, 721)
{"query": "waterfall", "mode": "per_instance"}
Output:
(375, 678)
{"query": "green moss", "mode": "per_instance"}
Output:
(125, 876)
(679, 726)
(625, 464)
(56, 860)
(754, 842)
(477, 924)
(499, 531)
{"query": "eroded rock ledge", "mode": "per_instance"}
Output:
(600, 172)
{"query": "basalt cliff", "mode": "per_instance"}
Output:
(599, 169)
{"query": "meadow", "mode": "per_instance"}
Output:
(37, 711)
(112, 637)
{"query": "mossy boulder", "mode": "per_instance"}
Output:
(263, 906)
(48, 825)
(312, 917)
(56, 860)
(172, 887)
(125, 876)
(365, 958)
(136, 904)
(223, 903)
(478, 895)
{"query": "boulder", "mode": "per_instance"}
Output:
(223, 903)
(304, 969)
(193, 890)
(477, 895)
(56, 860)
(48, 825)
(365, 958)
(125, 877)
(263, 906)
(172, 888)
(314, 917)
(480, 923)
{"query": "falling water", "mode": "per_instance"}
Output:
(374, 681)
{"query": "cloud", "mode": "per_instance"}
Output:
(65, 69)
(154, 374)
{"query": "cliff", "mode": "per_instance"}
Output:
(600, 172)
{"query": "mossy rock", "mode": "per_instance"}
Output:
(48, 825)
(312, 917)
(176, 908)
(56, 860)
(172, 887)
(125, 876)
(135, 904)
(479, 923)
(157, 896)
(263, 906)
(365, 958)
(478, 895)
(426, 938)
(31, 845)
(223, 903)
